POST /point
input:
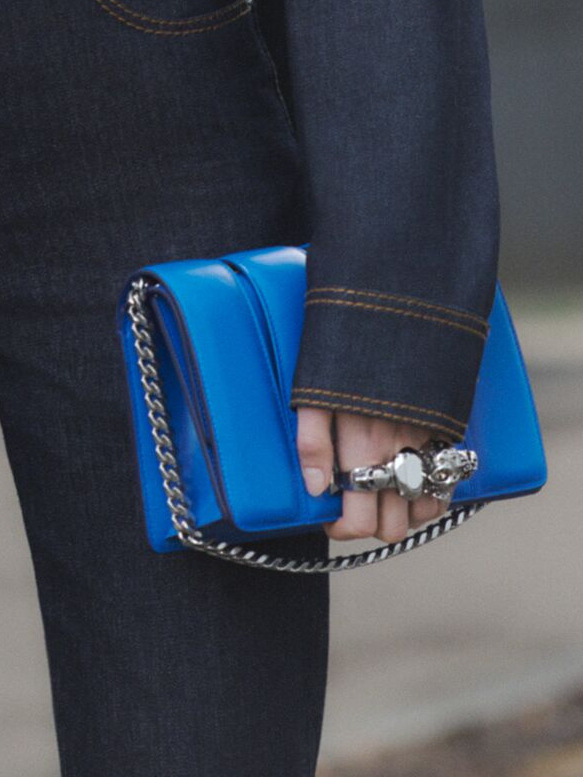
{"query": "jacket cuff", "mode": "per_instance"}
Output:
(389, 356)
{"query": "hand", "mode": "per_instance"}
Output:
(362, 440)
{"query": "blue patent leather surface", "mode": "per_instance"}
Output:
(228, 337)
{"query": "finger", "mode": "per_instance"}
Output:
(359, 517)
(315, 448)
(423, 509)
(393, 516)
(427, 508)
(360, 440)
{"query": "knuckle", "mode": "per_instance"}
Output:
(376, 449)
(361, 533)
(394, 530)
(351, 535)
(424, 512)
(345, 529)
(420, 520)
(311, 443)
(393, 535)
(363, 443)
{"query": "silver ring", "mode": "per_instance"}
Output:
(433, 470)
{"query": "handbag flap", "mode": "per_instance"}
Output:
(230, 372)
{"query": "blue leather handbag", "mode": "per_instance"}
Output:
(210, 347)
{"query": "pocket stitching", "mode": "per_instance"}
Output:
(189, 22)
(186, 20)
(274, 72)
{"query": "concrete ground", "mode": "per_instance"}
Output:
(543, 740)
(476, 626)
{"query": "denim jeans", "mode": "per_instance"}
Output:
(122, 146)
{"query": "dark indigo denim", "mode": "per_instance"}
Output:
(391, 102)
(121, 145)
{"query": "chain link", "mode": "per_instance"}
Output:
(182, 519)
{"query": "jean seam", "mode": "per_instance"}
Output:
(274, 72)
(299, 401)
(177, 22)
(405, 299)
(401, 405)
(399, 312)
(105, 5)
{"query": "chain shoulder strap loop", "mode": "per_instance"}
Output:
(182, 520)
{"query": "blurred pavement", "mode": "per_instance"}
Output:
(474, 626)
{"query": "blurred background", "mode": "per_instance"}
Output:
(465, 657)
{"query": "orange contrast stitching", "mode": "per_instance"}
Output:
(206, 28)
(408, 300)
(386, 309)
(186, 20)
(380, 413)
(380, 402)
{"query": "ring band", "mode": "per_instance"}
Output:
(433, 470)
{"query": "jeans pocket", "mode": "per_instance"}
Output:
(270, 64)
(181, 17)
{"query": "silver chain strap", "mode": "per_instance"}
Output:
(182, 520)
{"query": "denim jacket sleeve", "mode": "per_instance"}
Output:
(391, 104)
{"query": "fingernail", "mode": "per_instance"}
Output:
(314, 479)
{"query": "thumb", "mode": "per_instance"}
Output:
(315, 448)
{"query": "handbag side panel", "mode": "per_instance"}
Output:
(160, 531)
(503, 426)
